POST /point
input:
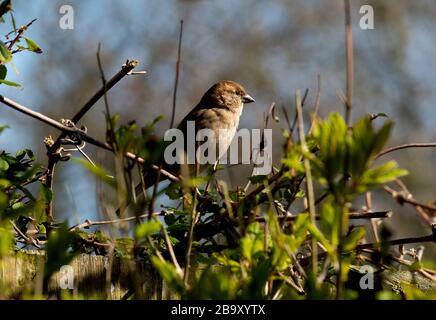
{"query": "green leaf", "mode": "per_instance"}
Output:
(351, 240)
(60, 242)
(5, 54)
(10, 83)
(32, 45)
(18, 205)
(3, 72)
(4, 183)
(258, 179)
(46, 194)
(100, 236)
(330, 220)
(381, 174)
(14, 25)
(317, 234)
(6, 241)
(168, 272)
(4, 165)
(3, 128)
(300, 194)
(22, 153)
(99, 171)
(147, 228)
(173, 191)
(330, 135)
(253, 243)
(381, 137)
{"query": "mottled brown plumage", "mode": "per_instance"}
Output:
(219, 108)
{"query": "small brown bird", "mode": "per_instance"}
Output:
(218, 110)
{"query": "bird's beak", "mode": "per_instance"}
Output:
(247, 99)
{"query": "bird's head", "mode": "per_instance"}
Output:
(227, 94)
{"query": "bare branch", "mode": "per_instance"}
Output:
(406, 146)
(350, 62)
(125, 70)
(77, 133)
(176, 81)
(89, 223)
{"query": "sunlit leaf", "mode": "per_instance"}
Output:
(350, 242)
(381, 174)
(4, 165)
(5, 53)
(147, 228)
(10, 83)
(98, 171)
(32, 45)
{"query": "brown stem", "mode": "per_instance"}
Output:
(401, 197)
(20, 33)
(88, 223)
(78, 133)
(430, 238)
(406, 146)
(351, 215)
(176, 80)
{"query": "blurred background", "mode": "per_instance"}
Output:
(271, 47)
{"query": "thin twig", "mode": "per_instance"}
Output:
(373, 222)
(348, 108)
(77, 133)
(351, 215)
(53, 150)
(408, 198)
(429, 238)
(125, 70)
(88, 223)
(20, 32)
(294, 122)
(194, 219)
(171, 250)
(309, 182)
(350, 62)
(29, 240)
(317, 102)
(406, 146)
(106, 102)
(176, 80)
